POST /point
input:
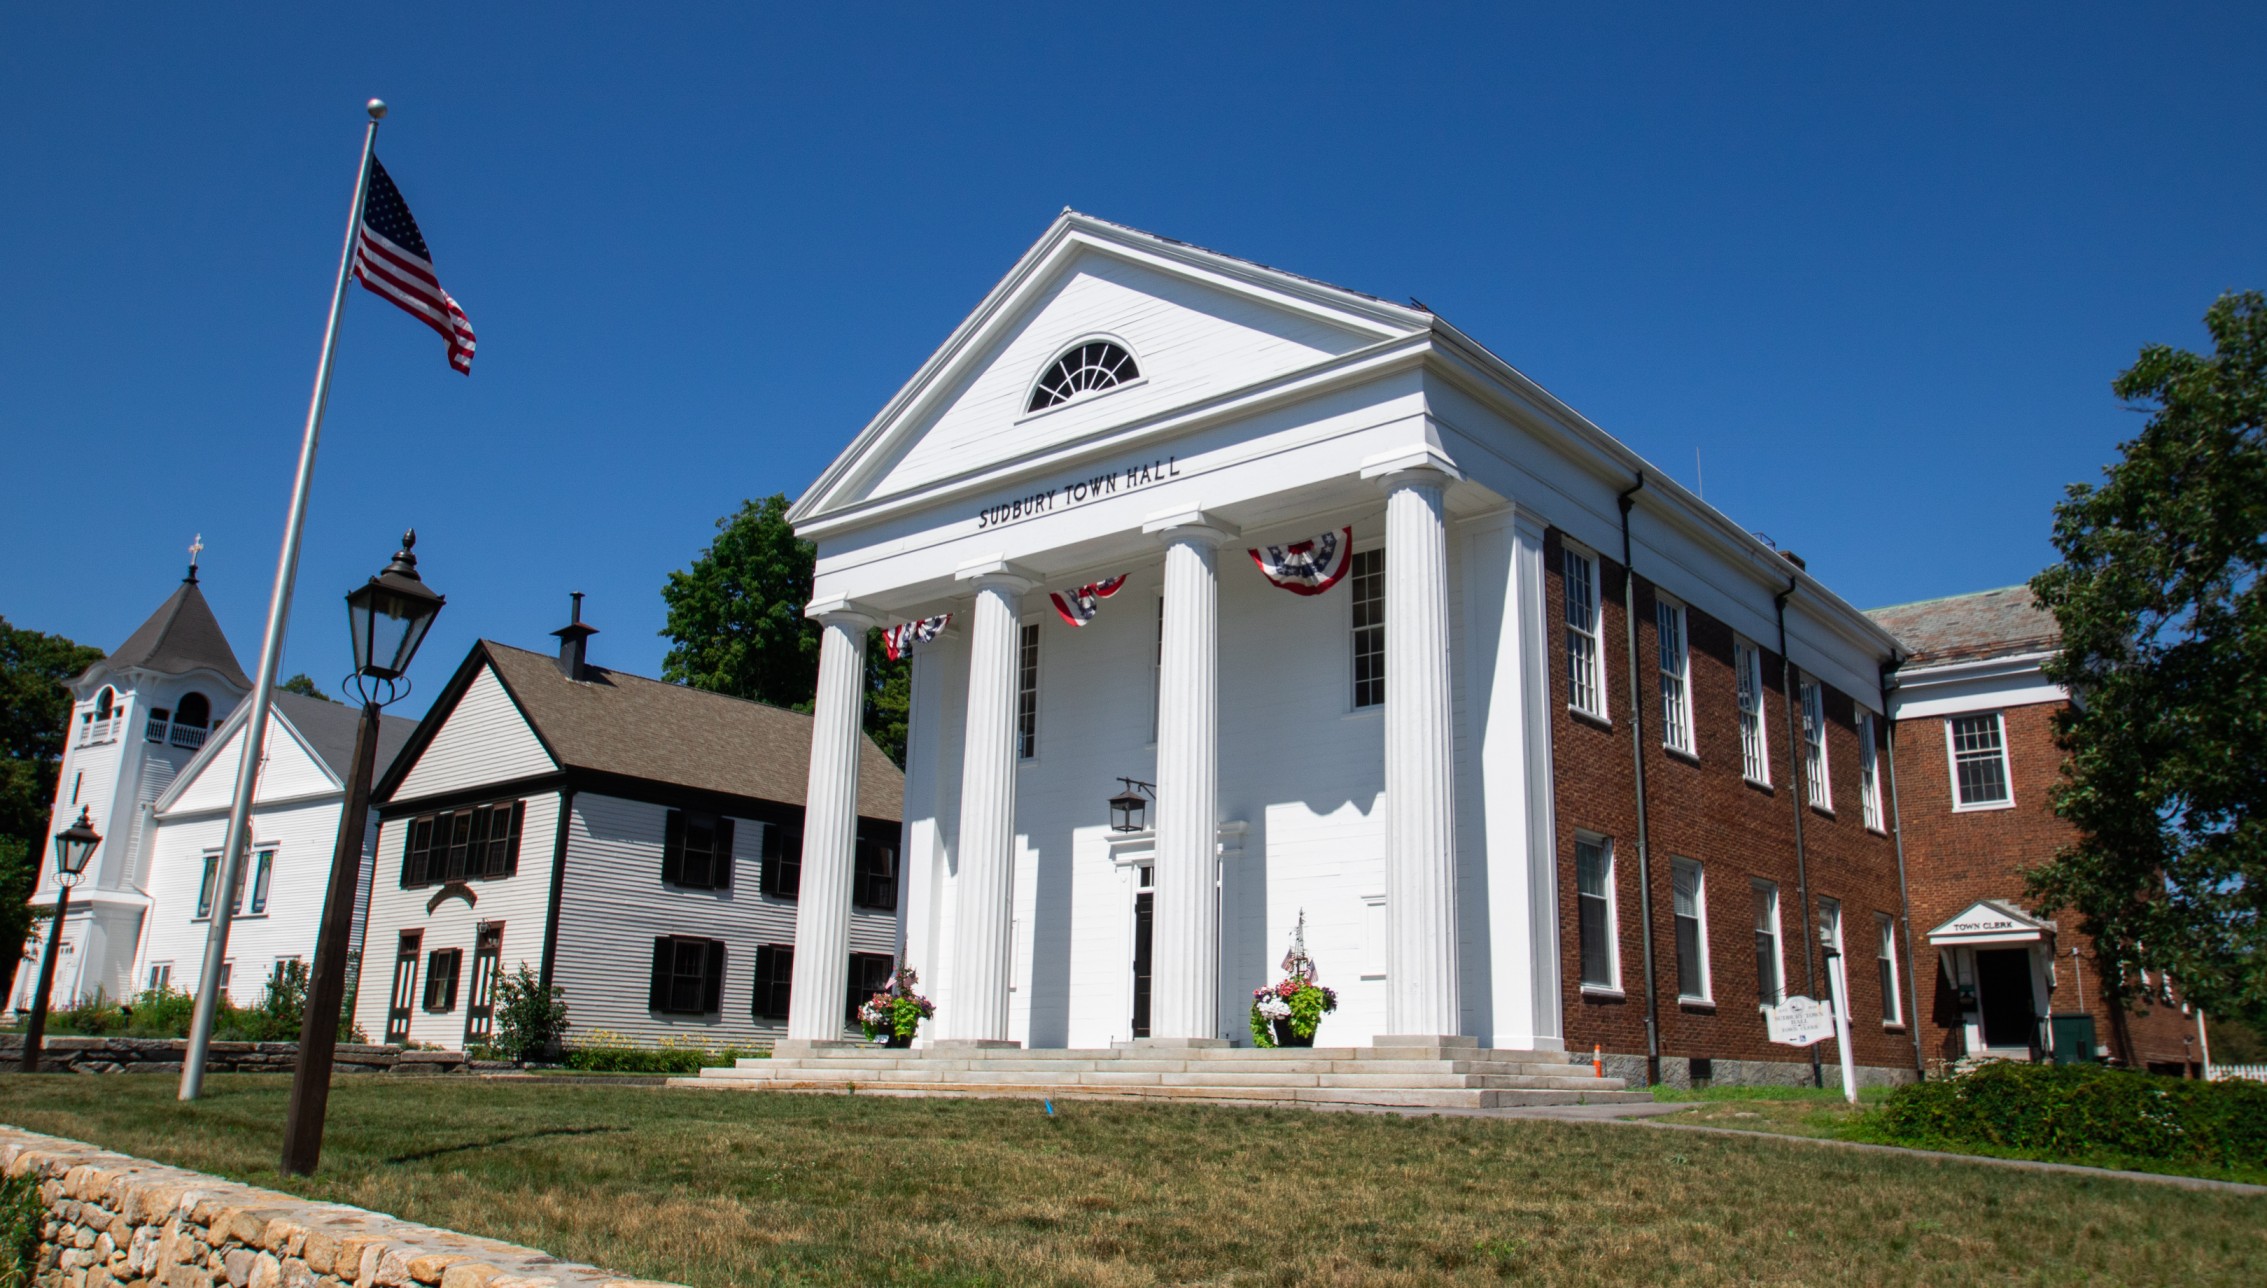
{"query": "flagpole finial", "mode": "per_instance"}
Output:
(377, 108)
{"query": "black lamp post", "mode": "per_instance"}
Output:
(389, 615)
(74, 846)
(1128, 809)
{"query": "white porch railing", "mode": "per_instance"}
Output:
(98, 731)
(2247, 1072)
(190, 736)
(154, 731)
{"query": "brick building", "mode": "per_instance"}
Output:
(1976, 761)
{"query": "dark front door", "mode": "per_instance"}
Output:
(1144, 919)
(480, 1000)
(2003, 981)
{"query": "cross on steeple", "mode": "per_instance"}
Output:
(196, 547)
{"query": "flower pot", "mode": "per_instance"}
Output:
(1284, 1037)
(900, 1041)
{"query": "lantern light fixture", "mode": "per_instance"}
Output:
(1128, 809)
(390, 615)
(74, 847)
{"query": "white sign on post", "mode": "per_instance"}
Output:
(1799, 1021)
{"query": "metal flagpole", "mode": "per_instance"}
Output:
(271, 653)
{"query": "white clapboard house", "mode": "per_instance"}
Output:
(638, 843)
(301, 789)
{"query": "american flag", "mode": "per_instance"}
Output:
(391, 259)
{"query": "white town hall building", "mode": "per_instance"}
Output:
(1377, 758)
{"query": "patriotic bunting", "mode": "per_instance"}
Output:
(1308, 567)
(899, 640)
(1083, 603)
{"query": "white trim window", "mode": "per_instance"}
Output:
(1978, 747)
(1770, 962)
(1814, 747)
(1027, 692)
(1869, 773)
(1368, 597)
(1755, 748)
(1585, 651)
(1689, 900)
(1836, 976)
(1676, 675)
(261, 871)
(1885, 959)
(1597, 923)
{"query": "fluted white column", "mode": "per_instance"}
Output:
(1185, 962)
(1420, 795)
(984, 909)
(821, 979)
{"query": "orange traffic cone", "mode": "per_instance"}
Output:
(1597, 1062)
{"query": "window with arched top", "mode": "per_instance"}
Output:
(1084, 369)
(194, 711)
(105, 703)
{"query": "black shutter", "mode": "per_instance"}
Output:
(664, 955)
(673, 849)
(512, 842)
(791, 865)
(767, 878)
(712, 983)
(720, 860)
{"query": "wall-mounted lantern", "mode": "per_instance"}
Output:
(1128, 809)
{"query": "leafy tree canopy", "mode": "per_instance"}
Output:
(736, 624)
(304, 683)
(2164, 648)
(35, 710)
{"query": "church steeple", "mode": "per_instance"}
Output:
(181, 636)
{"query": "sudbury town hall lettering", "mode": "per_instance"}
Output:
(1079, 491)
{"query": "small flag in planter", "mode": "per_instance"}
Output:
(898, 640)
(1308, 567)
(1081, 605)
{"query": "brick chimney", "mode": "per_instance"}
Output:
(572, 639)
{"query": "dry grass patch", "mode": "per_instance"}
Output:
(767, 1188)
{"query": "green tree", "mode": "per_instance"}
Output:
(304, 683)
(736, 624)
(2164, 648)
(35, 709)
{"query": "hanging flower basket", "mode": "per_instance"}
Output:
(892, 1016)
(1287, 1013)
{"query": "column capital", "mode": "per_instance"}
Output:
(1190, 524)
(996, 572)
(1423, 463)
(843, 610)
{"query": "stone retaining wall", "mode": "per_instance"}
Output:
(163, 1055)
(121, 1222)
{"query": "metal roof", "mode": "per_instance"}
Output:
(1962, 628)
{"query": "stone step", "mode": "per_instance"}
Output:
(1380, 1097)
(1431, 1080)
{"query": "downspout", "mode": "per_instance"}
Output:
(1798, 773)
(1904, 896)
(1637, 758)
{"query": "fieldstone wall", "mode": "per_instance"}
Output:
(163, 1055)
(121, 1222)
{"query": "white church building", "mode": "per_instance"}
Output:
(1368, 743)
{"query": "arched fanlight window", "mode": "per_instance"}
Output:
(1085, 369)
(194, 711)
(105, 703)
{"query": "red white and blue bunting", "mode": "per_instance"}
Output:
(898, 640)
(1308, 567)
(1078, 607)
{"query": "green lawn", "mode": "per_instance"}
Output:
(717, 1188)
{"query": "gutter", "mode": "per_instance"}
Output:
(1912, 1015)
(1627, 501)
(1798, 774)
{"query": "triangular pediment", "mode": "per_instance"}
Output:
(1200, 326)
(1988, 921)
(290, 769)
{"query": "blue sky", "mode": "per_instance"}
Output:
(1878, 269)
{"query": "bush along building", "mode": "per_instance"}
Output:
(1546, 752)
(633, 842)
(1977, 763)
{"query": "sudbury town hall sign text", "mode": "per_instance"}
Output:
(1107, 483)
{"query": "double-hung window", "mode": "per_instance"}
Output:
(1690, 900)
(1869, 773)
(1027, 692)
(688, 976)
(1979, 760)
(775, 973)
(1369, 628)
(1755, 748)
(1768, 964)
(1585, 653)
(1676, 676)
(441, 970)
(869, 974)
(696, 850)
(1594, 894)
(480, 843)
(873, 877)
(782, 862)
(1814, 747)
(1885, 959)
(262, 872)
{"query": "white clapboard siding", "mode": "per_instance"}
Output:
(288, 771)
(613, 905)
(521, 901)
(483, 740)
(1190, 340)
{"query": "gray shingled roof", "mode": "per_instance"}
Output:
(616, 723)
(329, 728)
(1960, 628)
(180, 637)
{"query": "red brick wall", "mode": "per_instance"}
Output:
(1702, 808)
(1954, 859)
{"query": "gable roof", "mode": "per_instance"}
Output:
(180, 637)
(612, 722)
(1966, 628)
(328, 729)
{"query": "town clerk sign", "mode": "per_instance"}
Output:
(1078, 492)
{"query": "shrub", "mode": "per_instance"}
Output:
(609, 1052)
(22, 1214)
(2084, 1111)
(531, 1020)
